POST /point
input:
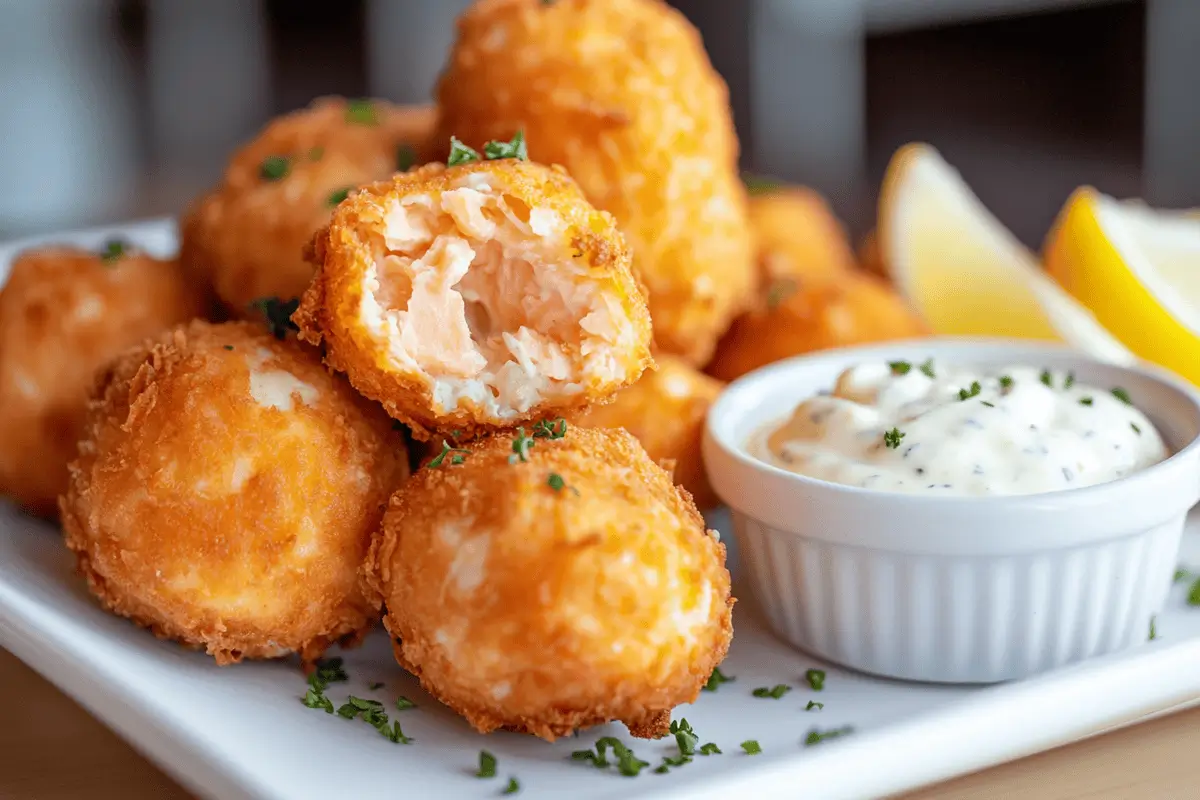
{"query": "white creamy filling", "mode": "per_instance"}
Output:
(1012, 431)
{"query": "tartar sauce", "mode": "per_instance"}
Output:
(924, 428)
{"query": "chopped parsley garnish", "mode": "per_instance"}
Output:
(816, 736)
(760, 184)
(327, 671)
(404, 704)
(775, 692)
(520, 447)
(927, 368)
(361, 112)
(487, 765)
(460, 153)
(1070, 380)
(550, 429)
(274, 168)
(813, 705)
(406, 156)
(112, 251)
(228, 347)
(1006, 383)
(627, 762)
(1193, 598)
(1153, 630)
(1136, 429)
(669, 762)
(278, 314)
(446, 451)
(892, 438)
(899, 367)
(751, 747)
(709, 749)
(780, 290)
(556, 482)
(966, 394)
(394, 734)
(512, 788)
(375, 685)
(1181, 575)
(316, 153)
(315, 699)
(337, 197)
(357, 705)
(685, 737)
(1121, 395)
(815, 678)
(1085, 401)
(515, 148)
(1047, 378)
(989, 405)
(716, 679)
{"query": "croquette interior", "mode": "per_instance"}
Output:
(485, 299)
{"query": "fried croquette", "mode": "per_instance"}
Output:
(477, 296)
(225, 493)
(665, 411)
(542, 585)
(621, 93)
(64, 314)
(800, 316)
(246, 238)
(797, 236)
(870, 258)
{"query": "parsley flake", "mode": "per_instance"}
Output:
(361, 112)
(709, 749)
(1181, 575)
(1121, 395)
(315, 699)
(966, 394)
(816, 736)
(375, 685)
(556, 482)
(815, 678)
(447, 450)
(395, 735)
(813, 705)
(278, 314)
(927, 368)
(337, 197)
(760, 184)
(669, 762)
(1047, 378)
(512, 788)
(1136, 429)
(1085, 401)
(514, 148)
(327, 671)
(989, 405)
(892, 438)
(1070, 380)
(404, 704)
(274, 168)
(228, 347)
(1006, 383)
(550, 429)
(460, 153)
(520, 447)
(751, 747)
(716, 679)
(1153, 630)
(900, 367)
(685, 737)
(406, 156)
(775, 692)
(112, 251)
(487, 765)
(780, 290)
(1193, 598)
(627, 762)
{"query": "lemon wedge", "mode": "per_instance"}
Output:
(964, 271)
(1138, 270)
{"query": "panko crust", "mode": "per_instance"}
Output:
(65, 313)
(329, 309)
(621, 93)
(225, 519)
(802, 316)
(665, 411)
(521, 606)
(797, 236)
(246, 238)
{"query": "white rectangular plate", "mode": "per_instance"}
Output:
(241, 731)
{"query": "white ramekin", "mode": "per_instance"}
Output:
(954, 589)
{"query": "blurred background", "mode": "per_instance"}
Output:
(112, 109)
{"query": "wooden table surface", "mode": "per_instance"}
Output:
(51, 749)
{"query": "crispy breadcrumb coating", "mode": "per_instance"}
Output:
(65, 313)
(475, 297)
(797, 236)
(246, 237)
(621, 93)
(665, 411)
(801, 316)
(226, 490)
(572, 589)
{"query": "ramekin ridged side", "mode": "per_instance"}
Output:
(957, 618)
